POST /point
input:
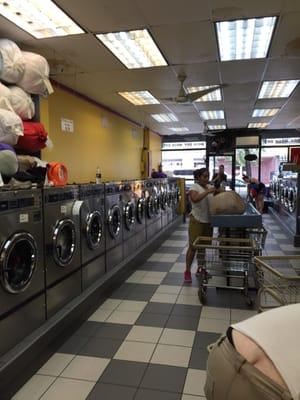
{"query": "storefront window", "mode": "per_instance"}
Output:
(271, 157)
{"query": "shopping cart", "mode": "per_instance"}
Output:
(224, 263)
(279, 280)
(259, 235)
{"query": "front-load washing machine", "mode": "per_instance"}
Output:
(153, 212)
(164, 203)
(92, 228)
(175, 196)
(129, 219)
(140, 213)
(62, 246)
(22, 289)
(114, 234)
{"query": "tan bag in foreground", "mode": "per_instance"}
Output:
(226, 203)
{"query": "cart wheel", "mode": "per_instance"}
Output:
(202, 295)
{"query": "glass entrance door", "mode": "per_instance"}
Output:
(214, 163)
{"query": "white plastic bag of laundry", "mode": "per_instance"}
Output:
(226, 203)
(35, 79)
(11, 127)
(21, 103)
(12, 63)
(4, 97)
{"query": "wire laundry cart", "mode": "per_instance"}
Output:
(224, 262)
(279, 281)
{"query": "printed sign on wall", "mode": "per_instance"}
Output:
(67, 125)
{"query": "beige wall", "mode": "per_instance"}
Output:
(116, 149)
(155, 147)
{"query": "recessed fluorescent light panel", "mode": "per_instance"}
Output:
(215, 114)
(42, 19)
(215, 127)
(135, 49)
(183, 129)
(258, 125)
(164, 117)
(265, 112)
(277, 89)
(244, 39)
(139, 98)
(213, 96)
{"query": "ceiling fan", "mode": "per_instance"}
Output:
(210, 132)
(183, 97)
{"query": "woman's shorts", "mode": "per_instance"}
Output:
(197, 229)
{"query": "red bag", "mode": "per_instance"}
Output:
(35, 136)
(57, 173)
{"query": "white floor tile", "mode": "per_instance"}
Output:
(189, 291)
(64, 388)
(194, 383)
(275, 252)
(56, 364)
(130, 305)
(163, 257)
(178, 267)
(168, 289)
(190, 397)
(155, 274)
(213, 325)
(271, 241)
(110, 304)
(123, 317)
(280, 236)
(164, 298)
(240, 315)
(135, 351)
(188, 300)
(150, 281)
(34, 388)
(86, 368)
(180, 233)
(177, 337)
(171, 355)
(146, 334)
(174, 243)
(100, 315)
(216, 313)
(288, 247)
(136, 277)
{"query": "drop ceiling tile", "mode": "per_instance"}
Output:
(270, 103)
(206, 73)
(242, 71)
(283, 68)
(11, 31)
(187, 43)
(291, 6)
(287, 36)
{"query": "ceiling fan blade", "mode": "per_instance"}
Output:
(197, 95)
(168, 99)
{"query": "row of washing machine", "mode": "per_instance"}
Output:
(56, 242)
(285, 191)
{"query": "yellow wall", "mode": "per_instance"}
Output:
(155, 147)
(116, 149)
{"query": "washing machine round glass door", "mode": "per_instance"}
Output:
(129, 216)
(169, 198)
(64, 242)
(114, 221)
(18, 262)
(94, 229)
(292, 200)
(156, 204)
(150, 207)
(140, 210)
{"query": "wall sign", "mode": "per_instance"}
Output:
(67, 125)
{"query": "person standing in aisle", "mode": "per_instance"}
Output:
(199, 224)
(219, 178)
(256, 190)
(258, 359)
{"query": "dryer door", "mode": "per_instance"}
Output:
(64, 242)
(114, 221)
(129, 216)
(140, 210)
(18, 262)
(292, 200)
(150, 207)
(94, 229)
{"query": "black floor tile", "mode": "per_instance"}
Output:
(100, 347)
(73, 345)
(158, 308)
(182, 322)
(146, 394)
(156, 266)
(139, 296)
(203, 339)
(156, 320)
(218, 298)
(140, 287)
(186, 310)
(122, 291)
(170, 249)
(125, 373)
(165, 378)
(88, 329)
(173, 278)
(113, 331)
(198, 358)
(181, 258)
(111, 392)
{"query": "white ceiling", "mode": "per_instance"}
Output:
(184, 31)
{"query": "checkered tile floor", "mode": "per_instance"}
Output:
(149, 339)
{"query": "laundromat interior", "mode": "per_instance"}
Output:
(106, 110)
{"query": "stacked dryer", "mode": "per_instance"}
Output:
(62, 246)
(140, 209)
(114, 235)
(22, 291)
(92, 227)
(129, 219)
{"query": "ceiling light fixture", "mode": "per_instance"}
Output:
(135, 49)
(214, 114)
(213, 96)
(169, 117)
(245, 39)
(216, 127)
(42, 19)
(264, 112)
(139, 98)
(183, 129)
(257, 125)
(277, 89)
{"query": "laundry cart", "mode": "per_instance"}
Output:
(279, 280)
(224, 263)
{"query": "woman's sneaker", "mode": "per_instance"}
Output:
(187, 277)
(198, 271)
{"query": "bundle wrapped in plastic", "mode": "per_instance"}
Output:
(21, 103)
(4, 97)
(8, 160)
(34, 138)
(12, 63)
(35, 79)
(226, 203)
(11, 127)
